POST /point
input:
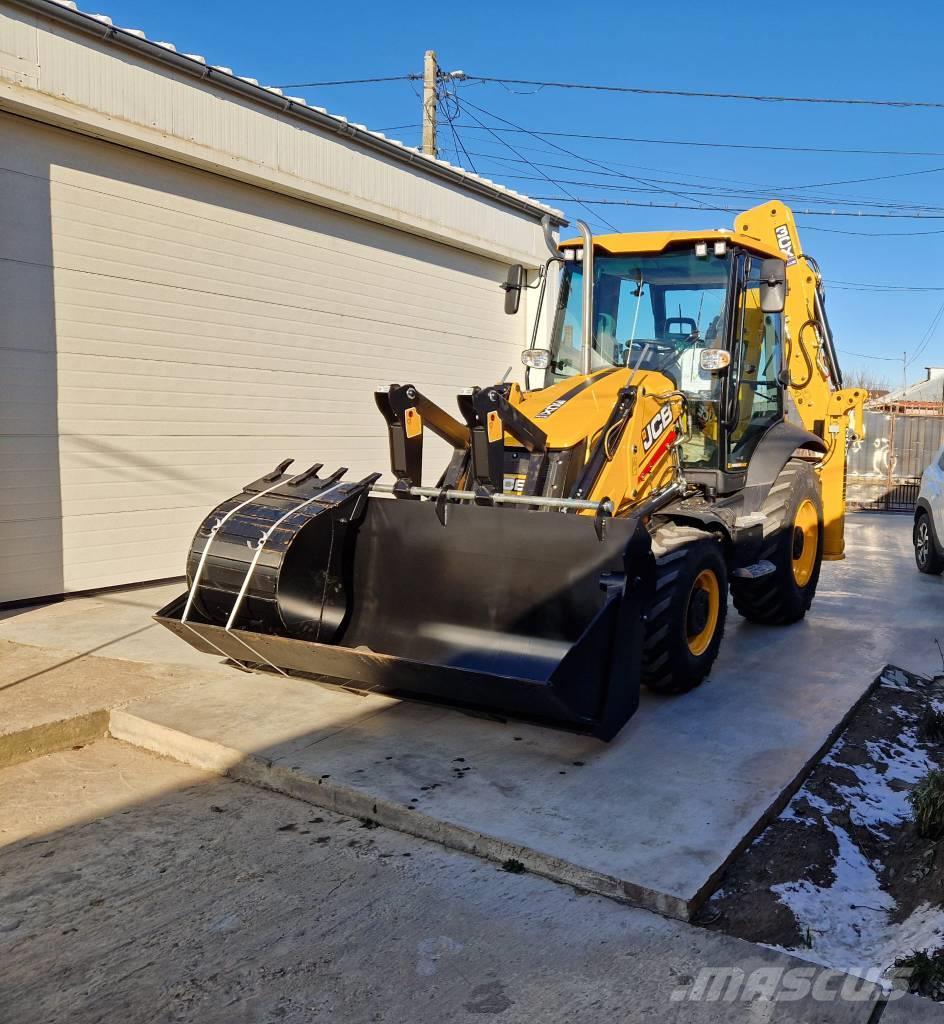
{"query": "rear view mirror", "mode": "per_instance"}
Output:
(513, 285)
(773, 286)
(714, 359)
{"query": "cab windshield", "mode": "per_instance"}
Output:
(657, 312)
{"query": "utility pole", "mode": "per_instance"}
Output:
(430, 75)
(904, 370)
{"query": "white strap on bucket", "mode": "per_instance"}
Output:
(206, 548)
(260, 545)
(202, 563)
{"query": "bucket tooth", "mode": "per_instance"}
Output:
(309, 474)
(279, 470)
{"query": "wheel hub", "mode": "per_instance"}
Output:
(805, 542)
(698, 612)
(924, 542)
(797, 542)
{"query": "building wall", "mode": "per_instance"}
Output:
(75, 72)
(168, 334)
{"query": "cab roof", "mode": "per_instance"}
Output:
(628, 243)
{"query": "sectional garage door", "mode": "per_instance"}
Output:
(167, 334)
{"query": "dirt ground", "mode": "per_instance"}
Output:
(842, 877)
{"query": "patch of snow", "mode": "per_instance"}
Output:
(793, 812)
(875, 801)
(922, 929)
(895, 679)
(847, 919)
(850, 919)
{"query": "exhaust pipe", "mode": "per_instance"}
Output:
(586, 349)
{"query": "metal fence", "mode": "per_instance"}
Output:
(885, 467)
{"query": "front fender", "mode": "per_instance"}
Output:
(774, 449)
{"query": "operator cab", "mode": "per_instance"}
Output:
(662, 311)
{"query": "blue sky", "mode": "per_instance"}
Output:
(868, 49)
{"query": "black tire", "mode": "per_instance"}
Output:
(671, 662)
(927, 558)
(785, 595)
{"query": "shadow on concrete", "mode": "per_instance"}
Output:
(30, 501)
(75, 658)
(161, 897)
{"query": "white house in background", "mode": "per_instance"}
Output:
(926, 397)
(200, 277)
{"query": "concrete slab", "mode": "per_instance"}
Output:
(112, 624)
(913, 1010)
(136, 890)
(652, 817)
(50, 698)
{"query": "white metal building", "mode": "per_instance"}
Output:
(200, 277)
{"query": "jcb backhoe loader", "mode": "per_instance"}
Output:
(685, 434)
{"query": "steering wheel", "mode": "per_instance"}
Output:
(685, 321)
(658, 350)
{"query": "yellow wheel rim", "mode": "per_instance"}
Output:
(704, 608)
(805, 542)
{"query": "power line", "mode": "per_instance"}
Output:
(583, 203)
(571, 153)
(928, 335)
(734, 209)
(755, 188)
(874, 234)
(883, 287)
(350, 81)
(707, 145)
(448, 104)
(614, 163)
(879, 177)
(690, 190)
(639, 91)
(862, 355)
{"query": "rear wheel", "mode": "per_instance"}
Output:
(793, 542)
(686, 621)
(926, 557)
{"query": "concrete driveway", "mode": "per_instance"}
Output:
(140, 888)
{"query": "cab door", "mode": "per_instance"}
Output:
(754, 395)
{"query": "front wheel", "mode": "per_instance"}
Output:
(926, 557)
(686, 622)
(793, 543)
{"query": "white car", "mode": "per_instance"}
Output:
(928, 533)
